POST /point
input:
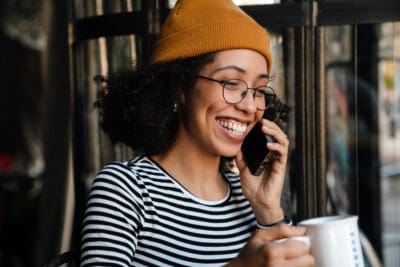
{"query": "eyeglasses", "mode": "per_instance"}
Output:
(235, 90)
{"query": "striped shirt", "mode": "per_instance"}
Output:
(138, 215)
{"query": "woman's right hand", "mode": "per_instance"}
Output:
(261, 250)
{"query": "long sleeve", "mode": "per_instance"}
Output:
(112, 219)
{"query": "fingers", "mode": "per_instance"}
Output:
(277, 147)
(271, 128)
(302, 261)
(263, 250)
(272, 125)
(287, 252)
(294, 248)
(282, 142)
(280, 231)
(240, 163)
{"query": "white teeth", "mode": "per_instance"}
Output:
(236, 128)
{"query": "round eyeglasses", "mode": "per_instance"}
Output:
(235, 90)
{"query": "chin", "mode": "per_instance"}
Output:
(230, 154)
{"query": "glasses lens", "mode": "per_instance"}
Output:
(265, 96)
(234, 91)
(269, 96)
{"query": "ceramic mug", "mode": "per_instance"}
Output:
(334, 241)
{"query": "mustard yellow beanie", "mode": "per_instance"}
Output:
(196, 27)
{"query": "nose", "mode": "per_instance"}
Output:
(248, 103)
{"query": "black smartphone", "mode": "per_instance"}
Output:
(256, 155)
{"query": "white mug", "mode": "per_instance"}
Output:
(335, 241)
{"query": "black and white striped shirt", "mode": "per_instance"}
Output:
(138, 215)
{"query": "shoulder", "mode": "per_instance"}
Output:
(124, 175)
(132, 168)
(122, 185)
(135, 172)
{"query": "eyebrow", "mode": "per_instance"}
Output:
(239, 69)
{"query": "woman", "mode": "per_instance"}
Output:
(188, 112)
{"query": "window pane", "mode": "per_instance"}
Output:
(92, 58)
(89, 8)
(256, 2)
(283, 81)
(362, 74)
(389, 138)
(340, 88)
(171, 3)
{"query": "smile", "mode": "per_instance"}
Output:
(235, 128)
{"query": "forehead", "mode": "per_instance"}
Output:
(247, 60)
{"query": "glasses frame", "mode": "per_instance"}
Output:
(255, 90)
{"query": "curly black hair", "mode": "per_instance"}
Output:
(137, 107)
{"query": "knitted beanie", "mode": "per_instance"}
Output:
(196, 27)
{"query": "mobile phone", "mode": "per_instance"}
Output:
(255, 153)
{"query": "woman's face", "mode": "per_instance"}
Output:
(211, 123)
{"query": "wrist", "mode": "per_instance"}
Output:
(285, 220)
(269, 216)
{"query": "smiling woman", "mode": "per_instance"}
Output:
(209, 108)
(187, 111)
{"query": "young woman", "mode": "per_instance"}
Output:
(188, 112)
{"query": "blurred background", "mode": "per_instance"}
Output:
(336, 63)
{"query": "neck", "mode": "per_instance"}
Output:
(197, 172)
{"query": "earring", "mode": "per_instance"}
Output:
(175, 107)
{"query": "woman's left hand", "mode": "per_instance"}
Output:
(264, 191)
